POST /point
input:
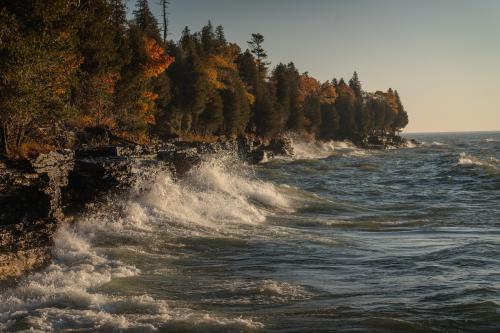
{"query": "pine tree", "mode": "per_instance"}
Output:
(329, 122)
(256, 48)
(236, 109)
(296, 118)
(355, 85)
(345, 105)
(145, 20)
(312, 111)
(119, 13)
(208, 41)
(281, 81)
(220, 35)
(267, 117)
(401, 119)
(38, 62)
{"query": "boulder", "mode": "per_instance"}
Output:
(181, 159)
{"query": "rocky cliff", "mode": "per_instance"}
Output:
(38, 195)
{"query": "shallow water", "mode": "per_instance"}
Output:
(335, 240)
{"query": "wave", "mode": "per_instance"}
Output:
(219, 198)
(410, 144)
(258, 292)
(306, 150)
(434, 144)
(469, 160)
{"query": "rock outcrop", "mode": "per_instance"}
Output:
(30, 201)
(38, 195)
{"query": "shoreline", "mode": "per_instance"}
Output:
(56, 187)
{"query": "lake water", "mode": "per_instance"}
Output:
(337, 239)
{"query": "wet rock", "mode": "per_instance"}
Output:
(38, 195)
(383, 142)
(281, 146)
(30, 197)
(181, 159)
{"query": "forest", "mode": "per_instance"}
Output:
(73, 65)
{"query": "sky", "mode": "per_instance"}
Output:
(443, 56)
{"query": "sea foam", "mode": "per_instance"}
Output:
(306, 150)
(219, 195)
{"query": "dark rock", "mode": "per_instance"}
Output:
(30, 198)
(37, 195)
(282, 146)
(182, 160)
(107, 151)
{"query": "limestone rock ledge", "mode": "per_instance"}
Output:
(36, 196)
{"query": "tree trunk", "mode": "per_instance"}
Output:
(4, 138)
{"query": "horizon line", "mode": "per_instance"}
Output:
(444, 132)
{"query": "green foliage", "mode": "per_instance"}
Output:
(256, 48)
(78, 63)
(145, 20)
(38, 61)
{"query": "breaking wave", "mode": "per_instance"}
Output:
(218, 197)
(306, 150)
(259, 292)
(410, 144)
(469, 160)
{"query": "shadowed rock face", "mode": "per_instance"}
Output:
(30, 201)
(36, 196)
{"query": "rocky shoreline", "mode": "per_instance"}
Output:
(38, 195)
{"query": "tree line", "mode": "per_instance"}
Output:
(67, 65)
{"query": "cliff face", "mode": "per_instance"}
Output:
(30, 208)
(36, 196)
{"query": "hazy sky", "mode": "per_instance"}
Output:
(443, 56)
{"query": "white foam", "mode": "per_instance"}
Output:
(260, 292)
(410, 144)
(305, 150)
(469, 160)
(217, 196)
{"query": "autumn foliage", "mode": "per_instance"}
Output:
(66, 66)
(158, 61)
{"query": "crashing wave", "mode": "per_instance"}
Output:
(306, 150)
(469, 160)
(410, 144)
(218, 197)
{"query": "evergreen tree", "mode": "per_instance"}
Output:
(281, 80)
(38, 62)
(355, 85)
(312, 111)
(329, 122)
(345, 105)
(402, 117)
(208, 40)
(220, 35)
(79, 63)
(256, 48)
(119, 13)
(267, 119)
(212, 118)
(296, 118)
(236, 109)
(145, 20)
